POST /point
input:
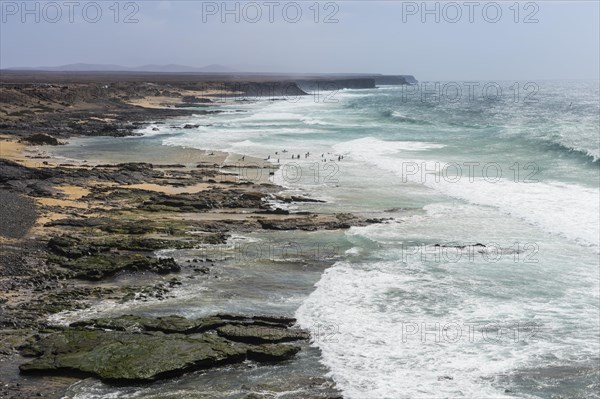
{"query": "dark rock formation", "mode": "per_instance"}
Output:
(97, 267)
(314, 222)
(75, 247)
(318, 85)
(135, 348)
(271, 352)
(195, 100)
(178, 324)
(210, 199)
(41, 139)
(10, 170)
(382, 80)
(17, 214)
(253, 334)
(272, 89)
(123, 356)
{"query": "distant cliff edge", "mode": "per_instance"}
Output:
(383, 80)
(353, 82)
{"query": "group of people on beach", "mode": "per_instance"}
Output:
(306, 155)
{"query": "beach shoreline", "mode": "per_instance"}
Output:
(82, 221)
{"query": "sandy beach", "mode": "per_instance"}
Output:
(78, 229)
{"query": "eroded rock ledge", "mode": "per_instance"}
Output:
(130, 349)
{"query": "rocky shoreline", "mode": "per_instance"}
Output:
(132, 349)
(78, 234)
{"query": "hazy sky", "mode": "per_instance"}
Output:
(384, 37)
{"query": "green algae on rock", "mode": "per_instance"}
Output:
(137, 348)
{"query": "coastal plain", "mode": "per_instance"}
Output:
(79, 233)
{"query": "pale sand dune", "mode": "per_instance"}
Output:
(155, 102)
(74, 192)
(62, 203)
(14, 151)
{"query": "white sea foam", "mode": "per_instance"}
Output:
(371, 303)
(569, 210)
(368, 147)
(375, 306)
(372, 292)
(367, 356)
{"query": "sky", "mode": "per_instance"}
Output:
(476, 40)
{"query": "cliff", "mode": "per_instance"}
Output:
(383, 80)
(313, 85)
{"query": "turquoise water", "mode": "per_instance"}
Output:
(484, 282)
(516, 318)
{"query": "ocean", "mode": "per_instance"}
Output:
(484, 279)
